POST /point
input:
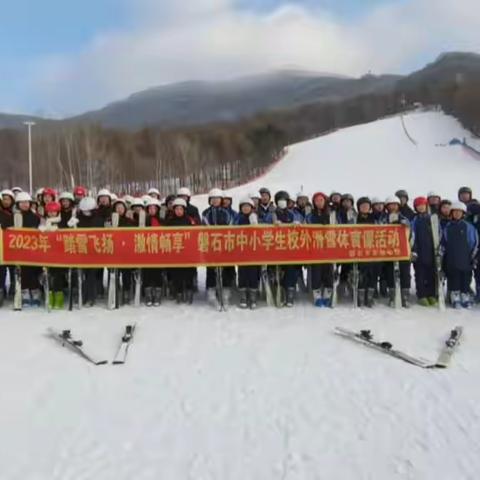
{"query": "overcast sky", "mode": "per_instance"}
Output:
(63, 57)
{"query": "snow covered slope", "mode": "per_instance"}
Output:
(377, 159)
(264, 395)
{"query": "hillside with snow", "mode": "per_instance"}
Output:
(271, 394)
(377, 159)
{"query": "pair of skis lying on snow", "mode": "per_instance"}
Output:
(66, 340)
(365, 337)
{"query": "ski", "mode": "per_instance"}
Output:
(336, 268)
(355, 279)
(393, 218)
(137, 275)
(438, 261)
(17, 297)
(219, 288)
(278, 291)
(65, 338)
(122, 352)
(46, 288)
(112, 298)
(266, 286)
(365, 337)
(451, 344)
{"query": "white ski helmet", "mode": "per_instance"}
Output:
(146, 199)
(137, 202)
(184, 191)
(87, 204)
(154, 191)
(179, 202)
(152, 201)
(433, 194)
(302, 195)
(246, 201)
(215, 193)
(66, 196)
(16, 190)
(392, 199)
(128, 199)
(39, 192)
(113, 197)
(104, 193)
(7, 192)
(23, 197)
(376, 200)
(459, 206)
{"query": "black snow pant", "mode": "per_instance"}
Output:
(249, 277)
(458, 280)
(368, 275)
(153, 277)
(30, 278)
(59, 279)
(126, 275)
(405, 278)
(228, 277)
(181, 279)
(425, 280)
(322, 276)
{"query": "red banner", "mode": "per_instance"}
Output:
(207, 246)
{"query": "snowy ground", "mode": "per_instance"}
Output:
(271, 394)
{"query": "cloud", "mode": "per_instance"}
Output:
(215, 39)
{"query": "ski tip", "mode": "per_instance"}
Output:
(118, 362)
(102, 362)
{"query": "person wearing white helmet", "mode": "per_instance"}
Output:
(460, 245)
(104, 206)
(378, 208)
(153, 277)
(182, 279)
(67, 203)
(393, 216)
(16, 190)
(434, 200)
(192, 210)
(248, 276)
(31, 295)
(154, 193)
(89, 217)
(215, 214)
(303, 206)
(227, 202)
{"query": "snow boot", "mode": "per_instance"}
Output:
(433, 301)
(465, 300)
(327, 297)
(36, 298)
(405, 295)
(317, 298)
(226, 297)
(290, 300)
(211, 296)
(148, 296)
(455, 299)
(424, 302)
(243, 298)
(361, 297)
(58, 300)
(253, 294)
(391, 298)
(157, 296)
(370, 301)
(51, 300)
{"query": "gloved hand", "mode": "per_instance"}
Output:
(73, 222)
(414, 257)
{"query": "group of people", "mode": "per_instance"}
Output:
(453, 256)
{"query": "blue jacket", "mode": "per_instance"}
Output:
(283, 216)
(459, 242)
(318, 217)
(216, 216)
(421, 228)
(243, 219)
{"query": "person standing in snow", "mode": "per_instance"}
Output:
(460, 244)
(405, 209)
